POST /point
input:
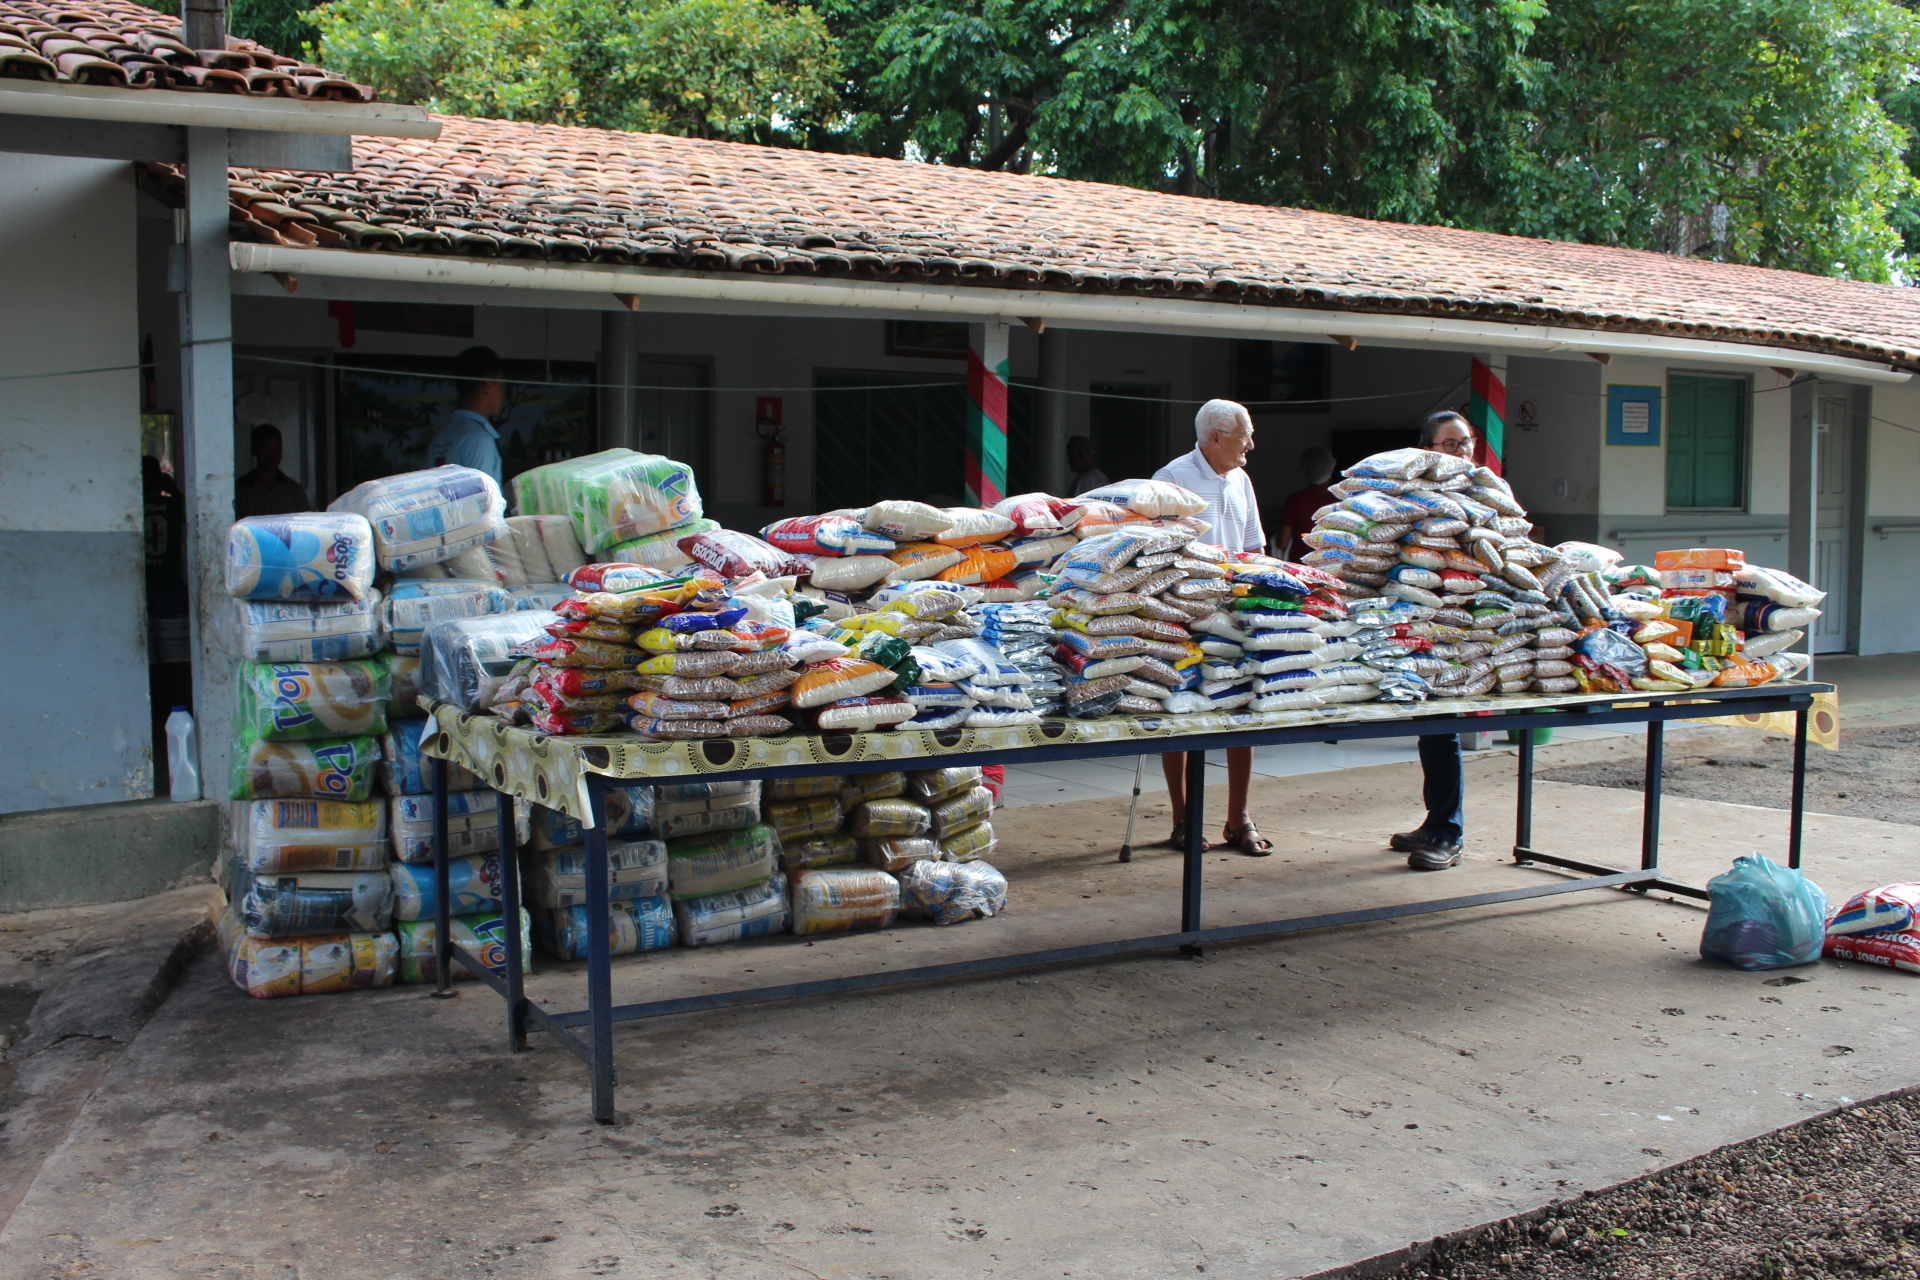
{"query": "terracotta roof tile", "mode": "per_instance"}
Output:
(107, 42)
(494, 188)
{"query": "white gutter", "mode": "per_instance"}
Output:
(214, 110)
(1066, 310)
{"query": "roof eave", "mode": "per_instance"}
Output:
(215, 110)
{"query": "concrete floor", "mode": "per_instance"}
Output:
(1273, 1110)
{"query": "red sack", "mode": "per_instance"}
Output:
(733, 554)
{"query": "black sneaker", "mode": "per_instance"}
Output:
(1424, 853)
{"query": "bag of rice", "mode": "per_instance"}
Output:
(905, 521)
(721, 862)
(286, 702)
(305, 556)
(1149, 497)
(916, 560)
(972, 526)
(829, 535)
(733, 554)
(842, 898)
(753, 912)
(423, 517)
(839, 678)
(981, 563)
(862, 714)
(1037, 513)
(613, 496)
(844, 573)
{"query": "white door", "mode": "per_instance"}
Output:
(1833, 428)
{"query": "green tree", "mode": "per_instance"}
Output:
(741, 69)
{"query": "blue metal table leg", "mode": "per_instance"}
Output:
(1195, 861)
(510, 916)
(1650, 814)
(1798, 814)
(599, 955)
(442, 892)
(1523, 809)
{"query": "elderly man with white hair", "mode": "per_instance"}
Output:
(1215, 470)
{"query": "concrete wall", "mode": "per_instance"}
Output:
(72, 558)
(1890, 561)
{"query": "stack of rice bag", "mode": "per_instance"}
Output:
(1447, 594)
(624, 506)
(723, 863)
(858, 850)
(553, 880)
(1125, 601)
(844, 556)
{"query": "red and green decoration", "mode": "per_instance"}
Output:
(1487, 412)
(987, 370)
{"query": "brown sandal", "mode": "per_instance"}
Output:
(1178, 840)
(1249, 841)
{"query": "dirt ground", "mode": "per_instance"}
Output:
(1875, 774)
(1834, 1197)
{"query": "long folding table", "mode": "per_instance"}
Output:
(574, 774)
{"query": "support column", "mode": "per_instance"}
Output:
(619, 403)
(1487, 407)
(206, 367)
(1803, 490)
(987, 413)
(1050, 433)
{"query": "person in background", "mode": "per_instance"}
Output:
(470, 439)
(1435, 844)
(1216, 471)
(1296, 517)
(266, 490)
(1085, 465)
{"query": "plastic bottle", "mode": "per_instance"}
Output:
(183, 755)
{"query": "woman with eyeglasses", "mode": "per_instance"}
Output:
(1435, 844)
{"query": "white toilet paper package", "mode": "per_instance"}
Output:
(307, 555)
(422, 517)
(412, 607)
(311, 835)
(612, 496)
(303, 631)
(464, 662)
(316, 769)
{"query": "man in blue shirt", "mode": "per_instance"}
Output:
(470, 439)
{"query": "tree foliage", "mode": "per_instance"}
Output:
(740, 69)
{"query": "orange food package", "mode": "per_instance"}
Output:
(1701, 558)
(1745, 675)
(983, 563)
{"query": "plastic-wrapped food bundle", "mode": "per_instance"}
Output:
(1023, 635)
(289, 904)
(889, 817)
(796, 819)
(699, 866)
(422, 517)
(952, 816)
(969, 843)
(473, 825)
(310, 555)
(464, 662)
(629, 815)
(729, 806)
(803, 853)
(817, 784)
(303, 631)
(310, 835)
(636, 924)
(931, 786)
(294, 701)
(319, 769)
(412, 607)
(953, 891)
(753, 912)
(405, 772)
(308, 966)
(482, 936)
(835, 899)
(612, 496)
(558, 877)
(660, 550)
(473, 885)
(897, 853)
(539, 548)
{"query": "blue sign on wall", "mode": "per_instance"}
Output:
(1633, 415)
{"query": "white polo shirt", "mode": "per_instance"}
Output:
(1231, 508)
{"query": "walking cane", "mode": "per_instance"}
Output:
(1133, 807)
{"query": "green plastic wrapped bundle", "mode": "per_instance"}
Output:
(319, 769)
(292, 701)
(613, 496)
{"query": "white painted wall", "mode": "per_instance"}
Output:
(72, 558)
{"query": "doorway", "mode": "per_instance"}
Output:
(1128, 424)
(672, 405)
(1834, 409)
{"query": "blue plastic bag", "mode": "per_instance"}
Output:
(1763, 916)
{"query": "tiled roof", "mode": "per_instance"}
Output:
(495, 189)
(105, 42)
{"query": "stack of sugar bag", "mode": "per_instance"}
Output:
(1448, 594)
(554, 884)
(723, 863)
(1023, 634)
(844, 557)
(624, 506)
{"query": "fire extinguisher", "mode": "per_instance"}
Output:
(773, 463)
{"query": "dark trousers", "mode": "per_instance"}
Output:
(1445, 789)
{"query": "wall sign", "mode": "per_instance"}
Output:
(1633, 415)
